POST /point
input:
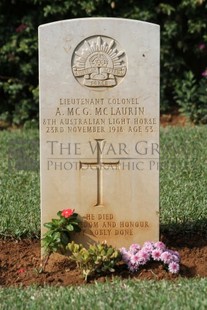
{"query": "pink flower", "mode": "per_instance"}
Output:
(201, 46)
(126, 257)
(173, 267)
(67, 213)
(144, 255)
(148, 246)
(166, 257)
(176, 258)
(123, 250)
(132, 267)
(160, 245)
(134, 248)
(143, 259)
(136, 256)
(135, 259)
(156, 254)
(204, 73)
(175, 255)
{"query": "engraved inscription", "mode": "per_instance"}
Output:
(106, 225)
(99, 62)
(100, 115)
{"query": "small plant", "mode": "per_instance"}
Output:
(59, 231)
(138, 256)
(190, 95)
(98, 259)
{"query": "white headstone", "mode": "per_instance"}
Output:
(99, 127)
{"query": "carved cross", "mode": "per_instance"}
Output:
(99, 168)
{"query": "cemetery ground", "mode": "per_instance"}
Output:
(183, 218)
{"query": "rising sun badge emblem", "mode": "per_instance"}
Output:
(99, 62)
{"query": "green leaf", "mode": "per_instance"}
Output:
(48, 225)
(64, 238)
(59, 213)
(70, 227)
(56, 236)
(77, 228)
(55, 222)
(110, 251)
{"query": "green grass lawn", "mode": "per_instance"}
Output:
(183, 201)
(19, 189)
(183, 178)
(118, 295)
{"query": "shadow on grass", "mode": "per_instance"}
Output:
(190, 233)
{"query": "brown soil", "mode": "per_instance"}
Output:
(20, 264)
(173, 119)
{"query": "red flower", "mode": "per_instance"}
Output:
(22, 270)
(21, 28)
(67, 213)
